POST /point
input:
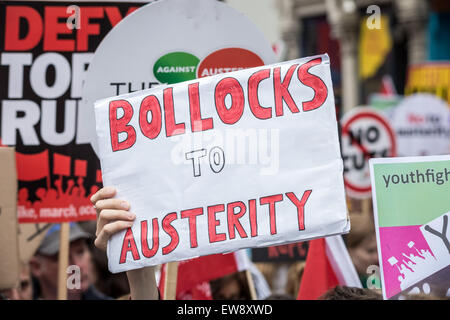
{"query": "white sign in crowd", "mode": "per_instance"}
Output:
(168, 152)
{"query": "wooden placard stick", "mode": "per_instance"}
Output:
(251, 284)
(366, 206)
(170, 287)
(63, 260)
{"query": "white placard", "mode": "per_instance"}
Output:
(422, 125)
(245, 159)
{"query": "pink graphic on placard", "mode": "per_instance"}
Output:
(406, 257)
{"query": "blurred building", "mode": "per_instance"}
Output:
(367, 40)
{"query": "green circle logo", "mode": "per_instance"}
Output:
(176, 67)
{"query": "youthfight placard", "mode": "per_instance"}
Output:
(412, 208)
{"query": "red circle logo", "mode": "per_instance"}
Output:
(227, 60)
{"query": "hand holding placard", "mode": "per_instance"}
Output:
(113, 216)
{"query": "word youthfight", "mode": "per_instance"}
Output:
(164, 113)
(234, 212)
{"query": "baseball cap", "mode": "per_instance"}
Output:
(50, 244)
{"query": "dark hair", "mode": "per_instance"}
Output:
(350, 293)
(279, 296)
(239, 277)
(113, 285)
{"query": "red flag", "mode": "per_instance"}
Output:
(387, 86)
(61, 164)
(201, 291)
(32, 167)
(327, 265)
(196, 271)
(318, 275)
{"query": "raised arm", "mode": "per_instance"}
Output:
(113, 215)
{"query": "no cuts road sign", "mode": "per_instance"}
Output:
(366, 134)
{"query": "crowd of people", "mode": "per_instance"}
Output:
(87, 251)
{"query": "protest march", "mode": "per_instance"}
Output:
(224, 150)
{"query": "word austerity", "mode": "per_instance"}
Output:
(234, 211)
(165, 114)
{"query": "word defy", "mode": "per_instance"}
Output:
(230, 115)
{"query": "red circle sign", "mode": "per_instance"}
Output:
(365, 134)
(227, 60)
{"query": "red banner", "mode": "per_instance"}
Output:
(46, 48)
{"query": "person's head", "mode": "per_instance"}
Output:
(113, 285)
(44, 264)
(230, 287)
(24, 291)
(279, 296)
(362, 243)
(350, 293)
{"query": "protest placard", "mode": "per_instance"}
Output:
(46, 48)
(411, 208)
(366, 133)
(383, 102)
(245, 159)
(422, 125)
(9, 250)
(429, 77)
